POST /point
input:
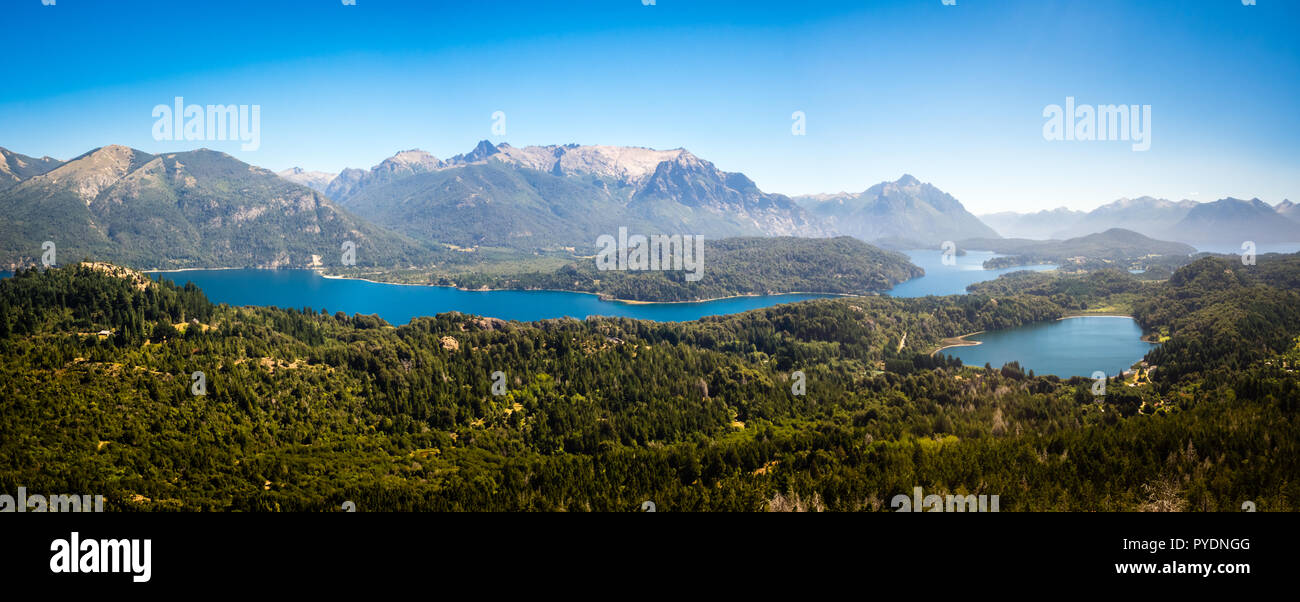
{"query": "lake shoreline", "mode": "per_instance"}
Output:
(321, 270)
(599, 296)
(322, 274)
(1147, 337)
(950, 342)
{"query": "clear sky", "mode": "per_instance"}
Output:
(951, 94)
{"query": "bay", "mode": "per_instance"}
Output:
(1075, 346)
(940, 279)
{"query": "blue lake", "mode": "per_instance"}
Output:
(1075, 346)
(1069, 347)
(398, 303)
(943, 279)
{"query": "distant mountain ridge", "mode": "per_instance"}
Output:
(1227, 220)
(1040, 225)
(1114, 244)
(1233, 220)
(906, 210)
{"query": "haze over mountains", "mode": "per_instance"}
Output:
(906, 211)
(1116, 247)
(1227, 220)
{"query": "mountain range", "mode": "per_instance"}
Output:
(1228, 220)
(906, 211)
(177, 210)
(547, 196)
(1113, 246)
(206, 209)
(501, 195)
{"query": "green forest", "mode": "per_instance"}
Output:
(306, 409)
(734, 266)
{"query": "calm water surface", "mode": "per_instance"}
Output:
(398, 303)
(940, 279)
(1069, 347)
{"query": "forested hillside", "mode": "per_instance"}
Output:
(197, 209)
(730, 267)
(305, 409)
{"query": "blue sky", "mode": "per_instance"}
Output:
(951, 94)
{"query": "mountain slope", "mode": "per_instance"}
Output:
(566, 196)
(1146, 215)
(1288, 209)
(1224, 221)
(905, 209)
(1114, 246)
(492, 205)
(351, 182)
(193, 209)
(1234, 220)
(15, 168)
(688, 193)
